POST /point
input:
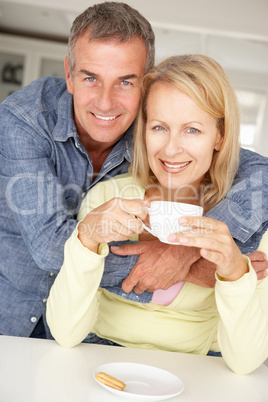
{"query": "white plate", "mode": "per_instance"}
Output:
(143, 382)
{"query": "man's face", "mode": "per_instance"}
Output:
(106, 87)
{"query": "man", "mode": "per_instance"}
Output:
(56, 143)
(58, 140)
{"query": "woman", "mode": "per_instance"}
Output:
(186, 149)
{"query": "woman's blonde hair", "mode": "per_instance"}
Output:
(204, 80)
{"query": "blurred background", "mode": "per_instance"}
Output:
(34, 33)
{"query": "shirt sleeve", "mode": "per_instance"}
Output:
(72, 303)
(34, 192)
(245, 208)
(243, 326)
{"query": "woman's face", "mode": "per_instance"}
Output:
(180, 138)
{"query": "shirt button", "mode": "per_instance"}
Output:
(51, 274)
(44, 300)
(33, 319)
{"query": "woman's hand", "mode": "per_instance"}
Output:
(113, 220)
(216, 245)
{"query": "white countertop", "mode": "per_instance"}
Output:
(35, 370)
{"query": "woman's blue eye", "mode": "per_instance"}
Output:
(159, 128)
(192, 130)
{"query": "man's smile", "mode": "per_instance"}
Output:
(105, 118)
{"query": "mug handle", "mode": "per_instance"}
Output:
(143, 224)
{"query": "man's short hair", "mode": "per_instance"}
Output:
(112, 20)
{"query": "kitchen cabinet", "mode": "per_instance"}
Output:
(23, 60)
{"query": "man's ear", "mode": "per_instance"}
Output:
(68, 78)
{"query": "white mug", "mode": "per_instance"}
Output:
(164, 216)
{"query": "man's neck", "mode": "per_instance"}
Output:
(98, 160)
(97, 151)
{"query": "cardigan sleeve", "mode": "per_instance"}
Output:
(72, 303)
(243, 326)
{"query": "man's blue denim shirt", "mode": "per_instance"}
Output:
(44, 173)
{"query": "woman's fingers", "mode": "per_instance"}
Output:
(214, 248)
(114, 220)
(203, 233)
(201, 222)
(216, 245)
(125, 225)
(211, 236)
(134, 207)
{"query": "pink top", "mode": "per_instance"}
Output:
(165, 297)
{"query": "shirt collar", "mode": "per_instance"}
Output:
(65, 126)
(126, 143)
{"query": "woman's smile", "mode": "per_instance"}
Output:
(174, 167)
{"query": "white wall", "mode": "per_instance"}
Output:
(234, 32)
